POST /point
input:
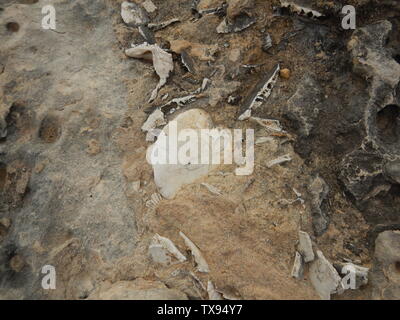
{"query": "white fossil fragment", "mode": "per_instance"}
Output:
(133, 14)
(298, 194)
(298, 266)
(162, 25)
(185, 100)
(279, 160)
(152, 134)
(261, 140)
(212, 189)
(305, 247)
(260, 93)
(180, 102)
(286, 202)
(154, 200)
(212, 293)
(162, 62)
(155, 119)
(359, 274)
(202, 265)
(197, 281)
(136, 186)
(170, 176)
(267, 43)
(223, 27)
(149, 6)
(204, 85)
(160, 247)
(324, 277)
(269, 124)
(300, 10)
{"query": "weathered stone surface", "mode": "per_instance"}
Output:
(304, 106)
(366, 172)
(305, 247)
(137, 290)
(348, 271)
(81, 196)
(171, 177)
(392, 171)
(298, 266)
(324, 277)
(72, 74)
(162, 250)
(385, 273)
(319, 208)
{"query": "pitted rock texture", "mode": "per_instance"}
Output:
(76, 190)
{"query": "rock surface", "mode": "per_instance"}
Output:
(385, 274)
(324, 277)
(137, 290)
(76, 189)
(170, 174)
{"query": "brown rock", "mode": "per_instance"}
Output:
(17, 263)
(285, 73)
(238, 6)
(93, 147)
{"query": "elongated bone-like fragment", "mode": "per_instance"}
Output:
(162, 25)
(168, 245)
(300, 10)
(155, 120)
(202, 265)
(162, 62)
(269, 124)
(279, 160)
(212, 293)
(259, 94)
(212, 189)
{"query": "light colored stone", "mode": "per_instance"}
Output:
(350, 269)
(149, 6)
(298, 266)
(385, 273)
(162, 249)
(202, 265)
(6, 222)
(169, 178)
(212, 293)
(279, 160)
(132, 14)
(305, 247)
(324, 277)
(155, 119)
(162, 62)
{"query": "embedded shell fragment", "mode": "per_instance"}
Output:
(162, 62)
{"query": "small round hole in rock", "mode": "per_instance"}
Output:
(387, 121)
(397, 58)
(50, 129)
(12, 26)
(3, 175)
(397, 266)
